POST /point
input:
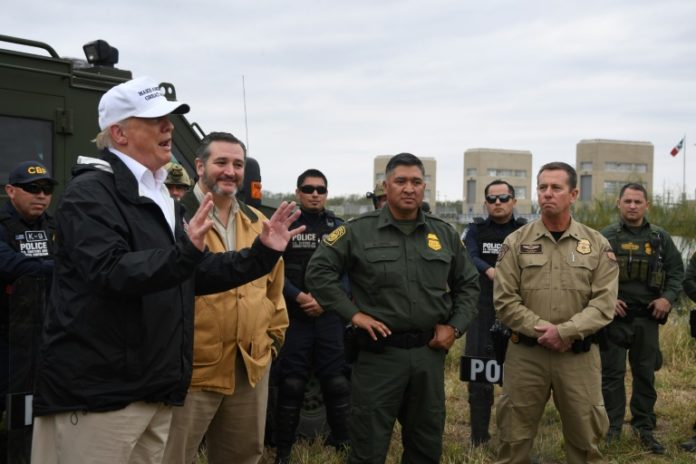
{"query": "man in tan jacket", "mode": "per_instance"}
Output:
(237, 333)
(555, 286)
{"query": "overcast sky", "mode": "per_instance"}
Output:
(331, 84)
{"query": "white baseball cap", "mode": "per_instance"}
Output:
(141, 97)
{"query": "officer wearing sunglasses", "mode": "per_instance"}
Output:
(483, 240)
(314, 340)
(26, 254)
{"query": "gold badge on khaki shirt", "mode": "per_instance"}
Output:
(584, 247)
(434, 242)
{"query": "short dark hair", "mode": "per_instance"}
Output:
(634, 186)
(403, 159)
(560, 165)
(511, 189)
(203, 150)
(311, 173)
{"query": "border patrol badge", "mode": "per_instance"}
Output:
(648, 248)
(584, 247)
(335, 235)
(434, 242)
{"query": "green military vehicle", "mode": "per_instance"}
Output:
(48, 106)
(48, 112)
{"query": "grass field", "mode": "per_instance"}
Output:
(676, 412)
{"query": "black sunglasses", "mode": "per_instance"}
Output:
(35, 188)
(321, 190)
(504, 198)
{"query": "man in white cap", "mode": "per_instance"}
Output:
(117, 341)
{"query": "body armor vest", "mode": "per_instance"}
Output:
(640, 258)
(490, 238)
(302, 246)
(35, 242)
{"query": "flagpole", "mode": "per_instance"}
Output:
(684, 172)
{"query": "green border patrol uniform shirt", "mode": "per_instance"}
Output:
(411, 276)
(409, 282)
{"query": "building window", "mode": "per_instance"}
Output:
(493, 172)
(471, 191)
(585, 188)
(625, 167)
(613, 186)
(471, 172)
(586, 166)
(520, 192)
(24, 139)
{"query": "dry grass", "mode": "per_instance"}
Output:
(676, 412)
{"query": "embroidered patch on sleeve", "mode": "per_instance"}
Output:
(502, 252)
(334, 236)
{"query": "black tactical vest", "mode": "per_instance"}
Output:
(490, 238)
(302, 246)
(36, 241)
(640, 258)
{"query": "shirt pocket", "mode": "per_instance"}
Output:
(433, 270)
(384, 268)
(534, 272)
(207, 348)
(577, 272)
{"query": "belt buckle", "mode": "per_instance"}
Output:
(410, 340)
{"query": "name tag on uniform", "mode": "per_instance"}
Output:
(481, 370)
(530, 249)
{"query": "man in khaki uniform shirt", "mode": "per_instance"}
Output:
(555, 286)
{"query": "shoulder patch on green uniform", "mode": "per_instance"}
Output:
(502, 252)
(334, 236)
(584, 247)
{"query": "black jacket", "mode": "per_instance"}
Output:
(119, 327)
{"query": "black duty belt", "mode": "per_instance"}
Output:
(579, 346)
(403, 340)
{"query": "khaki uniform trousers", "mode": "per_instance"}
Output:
(134, 435)
(234, 425)
(531, 373)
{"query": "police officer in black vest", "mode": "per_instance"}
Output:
(314, 339)
(483, 239)
(26, 254)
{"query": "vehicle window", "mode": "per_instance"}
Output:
(23, 139)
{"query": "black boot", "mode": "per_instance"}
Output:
(290, 397)
(480, 420)
(336, 391)
(480, 404)
(287, 418)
